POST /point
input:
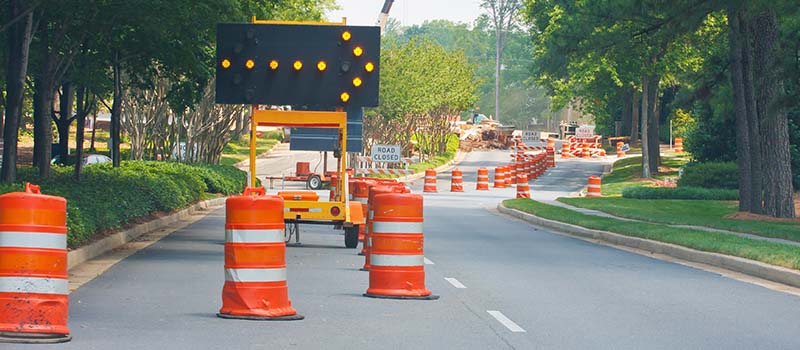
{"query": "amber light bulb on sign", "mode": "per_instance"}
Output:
(321, 66)
(298, 65)
(346, 36)
(357, 82)
(273, 64)
(344, 97)
(250, 64)
(369, 67)
(226, 63)
(358, 51)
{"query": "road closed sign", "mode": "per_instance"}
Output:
(386, 153)
(530, 136)
(584, 132)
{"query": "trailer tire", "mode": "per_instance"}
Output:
(351, 237)
(314, 182)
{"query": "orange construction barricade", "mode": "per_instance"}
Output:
(255, 259)
(499, 177)
(594, 189)
(33, 268)
(457, 181)
(397, 260)
(483, 180)
(430, 181)
(523, 189)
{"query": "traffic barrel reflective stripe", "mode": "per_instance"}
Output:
(33, 268)
(430, 181)
(594, 189)
(397, 254)
(499, 177)
(483, 180)
(457, 181)
(255, 259)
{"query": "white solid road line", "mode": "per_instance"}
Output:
(455, 283)
(428, 262)
(506, 321)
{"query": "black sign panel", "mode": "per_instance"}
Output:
(301, 65)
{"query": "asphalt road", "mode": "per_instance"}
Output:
(281, 161)
(524, 288)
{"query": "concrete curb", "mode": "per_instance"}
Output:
(116, 240)
(748, 267)
(459, 157)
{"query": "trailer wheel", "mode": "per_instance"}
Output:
(314, 182)
(351, 237)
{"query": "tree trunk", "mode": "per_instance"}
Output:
(497, 66)
(81, 109)
(94, 132)
(116, 112)
(43, 98)
(645, 128)
(753, 118)
(18, 43)
(776, 161)
(627, 110)
(635, 115)
(64, 120)
(737, 51)
(653, 148)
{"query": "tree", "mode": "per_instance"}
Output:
(503, 14)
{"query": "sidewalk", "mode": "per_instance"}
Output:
(702, 228)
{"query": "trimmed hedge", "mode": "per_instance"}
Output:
(108, 198)
(710, 175)
(697, 193)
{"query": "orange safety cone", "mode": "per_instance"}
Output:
(255, 259)
(33, 268)
(397, 254)
(523, 189)
(499, 177)
(430, 181)
(456, 181)
(595, 187)
(483, 180)
(678, 145)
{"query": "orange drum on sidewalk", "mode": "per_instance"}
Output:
(255, 259)
(430, 181)
(457, 181)
(594, 189)
(396, 254)
(33, 268)
(483, 180)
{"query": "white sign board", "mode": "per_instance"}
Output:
(584, 132)
(530, 136)
(386, 153)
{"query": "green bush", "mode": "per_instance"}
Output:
(108, 198)
(710, 175)
(697, 193)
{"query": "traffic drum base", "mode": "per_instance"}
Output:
(427, 297)
(261, 318)
(33, 338)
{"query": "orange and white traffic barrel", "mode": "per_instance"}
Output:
(565, 150)
(620, 153)
(430, 181)
(360, 192)
(499, 177)
(33, 267)
(585, 151)
(523, 189)
(255, 259)
(510, 174)
(551, 156)
(594, 188)
(397, 256)
(483, 180)
(457, 181)
(678, 145)
(374, 191)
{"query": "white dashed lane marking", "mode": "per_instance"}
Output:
(455, 283)
(506, 321)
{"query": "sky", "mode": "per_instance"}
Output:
(408, 12)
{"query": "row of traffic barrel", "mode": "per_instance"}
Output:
(255, 252)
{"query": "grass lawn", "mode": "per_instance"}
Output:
(768, 252)
(688, 212)
(237, 151)
(627, 173)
